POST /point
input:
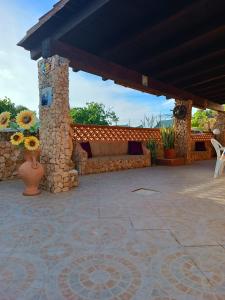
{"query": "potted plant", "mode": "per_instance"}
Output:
(168, 139)
(151, 145)
(26, 137)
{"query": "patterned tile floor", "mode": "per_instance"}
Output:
(102, 241)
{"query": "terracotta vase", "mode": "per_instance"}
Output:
(169, 153)
(31, 172)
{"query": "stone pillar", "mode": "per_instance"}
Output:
(220, 124)
(183, 132)
(55, 137)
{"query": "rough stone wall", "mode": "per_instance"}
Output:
(220, 124)
(109, 164)
(10, 157)
(183, 133)
(55, 131)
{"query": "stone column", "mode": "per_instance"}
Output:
(55, 137)
(220, 124)
(183, 132)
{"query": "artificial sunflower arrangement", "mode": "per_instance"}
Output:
(26, 126)
(4, 119)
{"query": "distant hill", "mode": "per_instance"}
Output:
(164, 123)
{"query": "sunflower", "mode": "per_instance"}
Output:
(17, 138)
(31, 143)
(25, 119)
(4, 119)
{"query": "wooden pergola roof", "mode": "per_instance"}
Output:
(174, 48)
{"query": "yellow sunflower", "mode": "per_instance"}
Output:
(17, 138)
(4, 119)
(25, 119)
(31, 143)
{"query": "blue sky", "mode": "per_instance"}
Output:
(18, 76)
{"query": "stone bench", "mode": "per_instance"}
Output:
(109, 156)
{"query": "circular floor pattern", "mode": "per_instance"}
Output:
(17, 276)
(42, 209)
(95, 232)
(141, 250)
(181, 273)
(26, 234)
(56, 251)
(99, 277)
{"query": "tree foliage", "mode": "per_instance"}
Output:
(203, 119)
(93, 113)
(7, 105)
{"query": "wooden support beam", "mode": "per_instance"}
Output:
(209, 87)
(46, 48)
(215, 92)
(205, 72)
(215, 106)
(201, 40)
(88, 10)
(167, 26)
(203, 59)
(205, 81)
(84, 61)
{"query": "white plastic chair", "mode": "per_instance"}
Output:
(220, 151)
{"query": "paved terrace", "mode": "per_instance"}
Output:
(102, 241)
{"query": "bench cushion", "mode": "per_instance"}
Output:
(86, 146)
(108, 148)
(135, 148)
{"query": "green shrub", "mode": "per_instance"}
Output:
(152, 146)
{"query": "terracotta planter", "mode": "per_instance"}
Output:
(31, 172)
(169, 153)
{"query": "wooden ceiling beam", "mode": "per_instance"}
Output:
(90, 63)
(209, 87)
(168, 24)
(191, 64)
(200, 41)
(214, 92)
(180, 79)
(70, 25)
(217, 95)
(204, 81)
(87, 12)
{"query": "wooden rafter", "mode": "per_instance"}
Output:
(209, 87)
(207, 71)
(81, 60)
(201, 40)
(166, 25)
(202, 59)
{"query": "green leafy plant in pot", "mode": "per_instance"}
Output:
(151, 145)
(168, 139)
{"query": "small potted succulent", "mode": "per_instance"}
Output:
(168, 140)
(26, 138)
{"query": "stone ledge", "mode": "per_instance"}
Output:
(179, 161)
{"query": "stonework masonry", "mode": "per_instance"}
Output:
(10, 157)
(220, 124)
(55, 137)
(183, 133)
